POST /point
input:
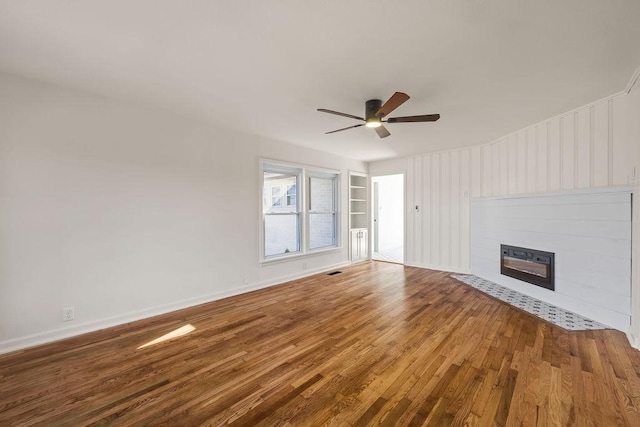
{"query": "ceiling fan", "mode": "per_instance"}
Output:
(375, 112)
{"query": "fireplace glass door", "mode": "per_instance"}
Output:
(529, 265)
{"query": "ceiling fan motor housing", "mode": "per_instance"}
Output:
(371, 108)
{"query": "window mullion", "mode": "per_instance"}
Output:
(304, 220)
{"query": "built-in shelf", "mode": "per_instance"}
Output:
(358, 204)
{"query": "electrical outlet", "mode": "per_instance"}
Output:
(67, 314)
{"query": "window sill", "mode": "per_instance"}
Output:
(312, 253)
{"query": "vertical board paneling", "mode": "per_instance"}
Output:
(445, 188)
(436, 253)
(610, 141)
(600, 138)
(417, 201)
(521, 156)
(568, 147)
(583, 148)
(476, 172)
(555, 154)
(504, 166)
(454, 211)
(416, 245)
(495, 169)
(532, 159)
(445, 208)
(542, 163)
(426, 209)
(465, 227)
(410, 216)
(487, 165)
(620, 142)
(512, 160)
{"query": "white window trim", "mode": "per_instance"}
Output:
(301, 198)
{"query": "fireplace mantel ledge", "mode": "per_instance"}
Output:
(593, 190)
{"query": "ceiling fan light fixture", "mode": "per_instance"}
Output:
(373, 122)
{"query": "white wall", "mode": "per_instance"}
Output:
(124, 212)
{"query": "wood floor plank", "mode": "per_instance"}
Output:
(378, 344)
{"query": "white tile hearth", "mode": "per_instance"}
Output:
(556, 315)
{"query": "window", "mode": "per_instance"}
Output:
(281, 220)
(322, 211)
(299, 210)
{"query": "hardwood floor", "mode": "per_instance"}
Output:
(378, 344)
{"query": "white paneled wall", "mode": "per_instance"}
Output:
(579, 149)
(438, 185)
(584, 148)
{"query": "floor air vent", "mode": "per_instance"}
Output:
(333, 273)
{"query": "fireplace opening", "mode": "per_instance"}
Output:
(529, 265)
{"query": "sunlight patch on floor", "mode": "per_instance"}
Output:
(184, 330)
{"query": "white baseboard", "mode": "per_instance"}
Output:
(447, 268)
(300, 275)
(67, 332)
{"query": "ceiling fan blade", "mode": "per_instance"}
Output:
(382, 131)
(340, 130)
(396, 100)
(413, 119)
(337, 113)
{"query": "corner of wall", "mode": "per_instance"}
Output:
(632, 81)
(633, 90)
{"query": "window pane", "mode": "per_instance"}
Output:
(281, 234)
(275, 200)
(322, 218)
(275, 197)
(321, 194)
(291, 195)
(322, 230)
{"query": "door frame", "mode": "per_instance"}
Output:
(373, 226)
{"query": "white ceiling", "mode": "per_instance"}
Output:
(265, 66)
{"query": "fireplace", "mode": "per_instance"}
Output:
(529, 265)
